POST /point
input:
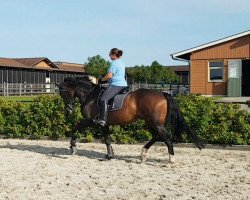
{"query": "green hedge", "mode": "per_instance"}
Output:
(44, 118)
(216, 123)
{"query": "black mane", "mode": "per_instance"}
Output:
(83, 81)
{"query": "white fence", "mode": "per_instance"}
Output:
(11, 89)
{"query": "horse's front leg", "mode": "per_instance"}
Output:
(84, 123)
(107, 139)
(146, 148)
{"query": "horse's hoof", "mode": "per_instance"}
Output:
(108, 157)
(144, 154)
(143, 159)
(73, 150)
(171, 159)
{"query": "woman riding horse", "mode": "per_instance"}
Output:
(116, 78)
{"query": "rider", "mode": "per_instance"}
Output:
(116, 80)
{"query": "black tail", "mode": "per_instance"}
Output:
(177, 122)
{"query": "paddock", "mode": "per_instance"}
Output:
(45, 170)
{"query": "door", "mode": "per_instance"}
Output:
(47, 80)
(234, 78)
(245, 80)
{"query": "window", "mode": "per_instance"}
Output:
(1, 75)
(28, 76)
(17, 78)
(216, 71)
(10, 76)
(5, 75)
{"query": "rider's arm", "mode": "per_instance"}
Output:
(107, 76)
(110, 72)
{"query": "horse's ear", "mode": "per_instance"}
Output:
(91, 79)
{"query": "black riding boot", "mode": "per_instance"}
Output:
(103, 114)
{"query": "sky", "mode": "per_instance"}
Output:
(146, 30)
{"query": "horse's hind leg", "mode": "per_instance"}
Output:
(164, 135)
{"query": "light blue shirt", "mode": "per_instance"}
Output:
(117, 68)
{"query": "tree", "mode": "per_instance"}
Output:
(97, 66)
(156, 73)
(139, 73)
(168, 75)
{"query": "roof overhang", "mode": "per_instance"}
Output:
(185, 55)
(32, 64)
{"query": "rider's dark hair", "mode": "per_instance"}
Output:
(116, 52)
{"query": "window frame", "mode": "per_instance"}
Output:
(209, 71)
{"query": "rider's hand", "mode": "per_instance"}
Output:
(100, 81)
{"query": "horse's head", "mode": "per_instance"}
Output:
(67, 92)
(71, 88)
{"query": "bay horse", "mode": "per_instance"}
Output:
(155, 107)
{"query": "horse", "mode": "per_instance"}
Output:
(156, 108)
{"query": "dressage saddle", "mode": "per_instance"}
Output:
(116, 102)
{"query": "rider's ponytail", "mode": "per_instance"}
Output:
(116, 52)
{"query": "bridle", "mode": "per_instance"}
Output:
(70, 102)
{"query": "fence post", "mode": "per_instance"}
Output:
(7, 89)
(24, 88)
(3, 88)
(20, 89)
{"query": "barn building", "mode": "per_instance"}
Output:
(221, 67)
(36, 70)
(24, 76)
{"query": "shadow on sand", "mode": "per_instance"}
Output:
(64, 153)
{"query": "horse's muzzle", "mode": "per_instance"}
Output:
(69, 111)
